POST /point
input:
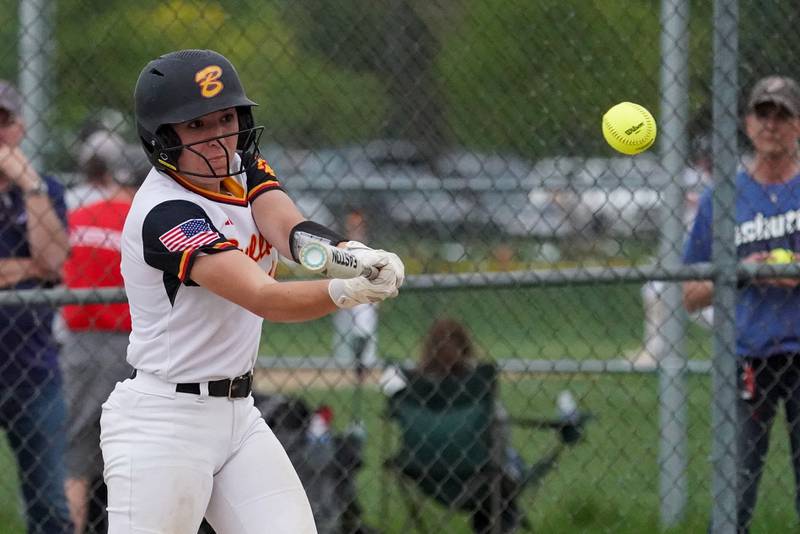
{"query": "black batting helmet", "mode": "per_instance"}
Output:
(184, 85)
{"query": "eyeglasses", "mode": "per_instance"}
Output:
(7, 118)
(772, 111)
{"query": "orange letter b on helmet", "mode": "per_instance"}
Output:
(208, 80)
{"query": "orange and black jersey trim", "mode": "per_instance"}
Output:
(260, 179)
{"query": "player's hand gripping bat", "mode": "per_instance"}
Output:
(334, 262)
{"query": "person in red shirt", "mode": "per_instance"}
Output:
(96, 337)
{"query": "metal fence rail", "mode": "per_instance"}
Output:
(504, 364)
(476, 280)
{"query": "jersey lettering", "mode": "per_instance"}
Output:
(761, 228)
(95, 237)
(208, 80)
(262, 165)
(258, 248)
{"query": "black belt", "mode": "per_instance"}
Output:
(233, 388)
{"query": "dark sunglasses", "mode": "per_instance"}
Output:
(769, 110)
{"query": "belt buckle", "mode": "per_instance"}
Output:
(247, 379)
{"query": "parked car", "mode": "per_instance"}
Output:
(489, 193)
(616, 196)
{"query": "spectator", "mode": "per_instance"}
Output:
(101, 159)
(767, 316)
(355, 337)
(33, 246)
(96, 339)
(447, 352)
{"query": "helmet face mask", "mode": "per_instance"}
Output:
(186, 85)
(246, 146)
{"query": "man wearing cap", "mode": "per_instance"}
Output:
(767, 213)
(33, 247)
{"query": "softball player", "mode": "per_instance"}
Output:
(182, 439)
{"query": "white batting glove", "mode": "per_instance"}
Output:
(381, 259)
(350, 292)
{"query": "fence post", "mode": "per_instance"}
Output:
(723, 370)
(672, 361)
(35, 34)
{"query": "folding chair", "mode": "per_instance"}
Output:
(451, 449)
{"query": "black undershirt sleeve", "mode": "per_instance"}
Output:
(308, 231)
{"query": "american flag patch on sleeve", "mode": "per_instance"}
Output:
(189, 234)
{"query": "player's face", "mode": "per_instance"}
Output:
(773, 130)
(209, 153)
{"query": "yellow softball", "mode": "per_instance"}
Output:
(780, 255)
(629, 128)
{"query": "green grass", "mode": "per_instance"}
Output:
(609, 483)
(10, 519)
(550, 323)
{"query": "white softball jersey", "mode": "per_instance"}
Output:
(181, 331)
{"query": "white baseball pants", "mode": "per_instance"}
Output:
(172, 458)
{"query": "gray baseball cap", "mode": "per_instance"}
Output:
(780, 90)
(10, 99)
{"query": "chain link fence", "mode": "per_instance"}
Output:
(465, 136)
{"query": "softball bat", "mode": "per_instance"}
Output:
(334, 262)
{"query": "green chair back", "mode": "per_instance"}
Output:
(445, 428)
